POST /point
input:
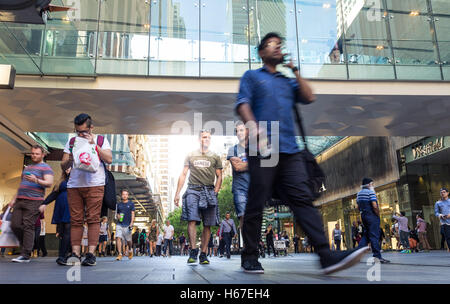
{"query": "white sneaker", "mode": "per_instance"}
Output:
(21, 259)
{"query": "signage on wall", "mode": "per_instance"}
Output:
(426, 147)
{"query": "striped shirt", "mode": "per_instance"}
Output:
(364, 200)
(29, 190)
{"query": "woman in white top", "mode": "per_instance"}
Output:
(104, 236)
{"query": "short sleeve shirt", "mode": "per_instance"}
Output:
(126, 209)
(202, 167)
(79, 178)
(271, 98)
(29, 190)
(168, 231)
(241, 180)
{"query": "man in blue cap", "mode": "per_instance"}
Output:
(370, 215)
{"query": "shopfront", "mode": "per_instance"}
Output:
(424, 169)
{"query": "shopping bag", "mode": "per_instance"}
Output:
(85, 155)
(7, 237)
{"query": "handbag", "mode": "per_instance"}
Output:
(315, 173)
(7, 237)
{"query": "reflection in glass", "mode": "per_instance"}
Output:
(123, 37)
(69, 38)
(272, 16)
(174, 38)
(320, 39)
(224, 41)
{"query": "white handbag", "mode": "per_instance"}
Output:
(7, 236)
(85, 155)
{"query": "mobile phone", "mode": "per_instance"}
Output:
(27, 173)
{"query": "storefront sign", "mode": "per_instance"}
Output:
(425, 147)
(142, 219)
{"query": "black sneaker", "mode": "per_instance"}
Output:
(383, 261)
(73, 259)
(192, 257)
(203, 259)
(89, 260)
(252, 266)
(21, 259)
(340, 260)
(228, 256)
(61, 261)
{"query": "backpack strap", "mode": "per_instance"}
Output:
(100, 140)
(71, 144)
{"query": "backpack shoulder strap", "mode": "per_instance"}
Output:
(71, 143)
(235, 150)
(100, 140)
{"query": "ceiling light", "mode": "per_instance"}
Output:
(380, 47)
(326, 5)
(304, 41)
(414, 13)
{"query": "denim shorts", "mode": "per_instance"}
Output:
(240, 198)
(191, 211)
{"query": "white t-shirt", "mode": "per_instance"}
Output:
(168, 231)
(79, 178)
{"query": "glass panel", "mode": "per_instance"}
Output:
(446, 70)
(69, 39)
(272, 16)
(224, 43)
(363, 20)
(320, 39)
(123, 37)
(174, 40)
(408, 6)
(440, 6)
(414, 52)
(418, 27)
(442, 31)
(20, 46)
(419, 72)
(366, 53)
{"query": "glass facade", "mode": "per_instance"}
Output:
(340, 39)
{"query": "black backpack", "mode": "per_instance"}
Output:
(109, 197)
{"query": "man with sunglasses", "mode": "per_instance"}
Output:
(85, 191)
(267, 95)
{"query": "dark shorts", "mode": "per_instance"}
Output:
(192, 212)
(240, 198)
(103, 238)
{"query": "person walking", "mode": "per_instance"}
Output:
(442, 211)
(355, 234)
(216, 245)
(296, 241)
(37, 232)
(135, 241)
(237, 156)
(337, 237)
(168, 239)
(200, 201)
(27, 202)
(210, 245)
(125, 217)
(85, 240)
(42, 247)
(104, 236)
(85, 189)
(266, 95)
(422, 233)
(404, 231)
(159, 242)
(227, 232)
(269, 240)
(152, 237)
(142, 238)
(370, 215)
(61, 215)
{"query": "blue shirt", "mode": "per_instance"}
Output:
(241, 179)
(364, 199)
(271, 98)
(126, 209)
(442, 207)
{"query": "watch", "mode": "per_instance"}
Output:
(294, 69)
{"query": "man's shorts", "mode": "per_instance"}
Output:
(123, 232)
(103, 238)
(240, 198)
(191, 212)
